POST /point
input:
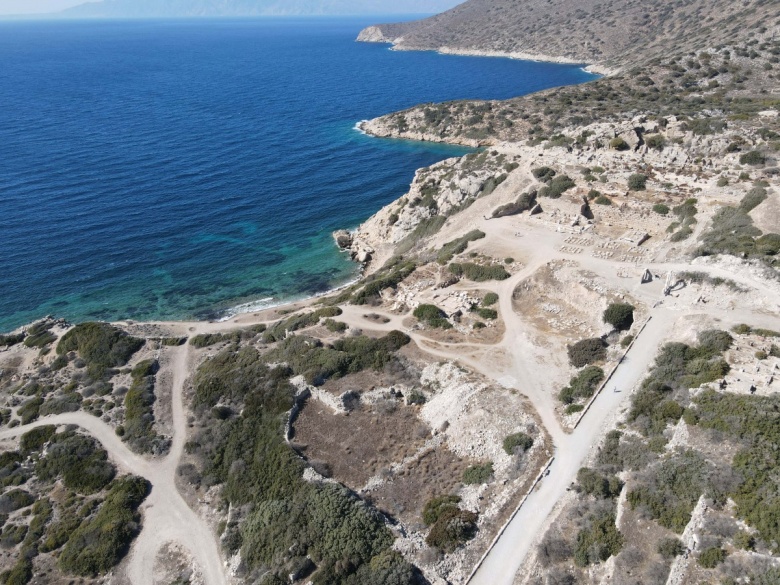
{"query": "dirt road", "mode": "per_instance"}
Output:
(166, 516)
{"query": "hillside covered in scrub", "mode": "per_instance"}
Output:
(614, 33)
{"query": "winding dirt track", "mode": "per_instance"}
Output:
(166, 516)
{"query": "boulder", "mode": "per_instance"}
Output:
(343, 239)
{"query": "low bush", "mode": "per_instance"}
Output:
(489, 314)
(139, 401)
(517, 442)
(669, 548)
(35, 439)
(619, 315)
(99, 543)
(15, 500)
(596, 484)
(598, 540)
(637, 182)
(435, 507)
(753, 158)
(451, 249)
(335, 326)
(661, 209)
(452, 528)
(557, 187)
(490, 299)
(10, 340)
(753, 198)
(478, 474)
(282, 329)
(432, 316)
(587, 351)
(543, 174)
(669, 491)
(582, 386)
(655, 141)
(603, 200)
(711, 557)
(209, 339)
(100, 345)
(30, 410)
(478, 272)
(389, 278)
(618, 143)
(39, 335)
(82, 465)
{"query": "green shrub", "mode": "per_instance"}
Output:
(744, 540)
(517, 441)
(587, 351)
(618, 143)
(69, 402)
(669, 548)
(100, 542)
(557, 187)
(598, 540)
(39, 335)
(619, 315)
(386, 279)
(432, 316)
(12, 535)
(754, 158)
(655, 141)
(450, 249)
(626, 341)
(603, 200)
(15, 500)
(21, 573)
(597, 484)
(452, 528)
(282, 329)
(478, 474)
(30, 410)
(661, 209)
(712, 557)
(335, 326)
(637, 182)
(489, 314)
(573, 409)
(543, 174)
(435, 507)
(671, 489)
(35, 439)
(755, 197)
(583, 385)
(10, 340)
(173, 341)
(83, 466)
(490, 299)
(209, 339)
(101, 345)
(478, 272)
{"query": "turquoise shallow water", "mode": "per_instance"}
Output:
(176, 169)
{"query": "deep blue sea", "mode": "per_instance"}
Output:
(176, 169)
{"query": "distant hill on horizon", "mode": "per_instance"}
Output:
(206, 8)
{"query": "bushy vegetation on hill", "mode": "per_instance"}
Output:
(455, 247)
(101, 541)
(450, 526)
(432, 316)
(138, 428)
(620, 316)
(100, 345)
(282, 329)
(517, 442)
(525, 202)
(587, 351)
(390, 278)
(290, 519)
(583, 385)
(479, 272)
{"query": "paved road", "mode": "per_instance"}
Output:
(507, 556)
